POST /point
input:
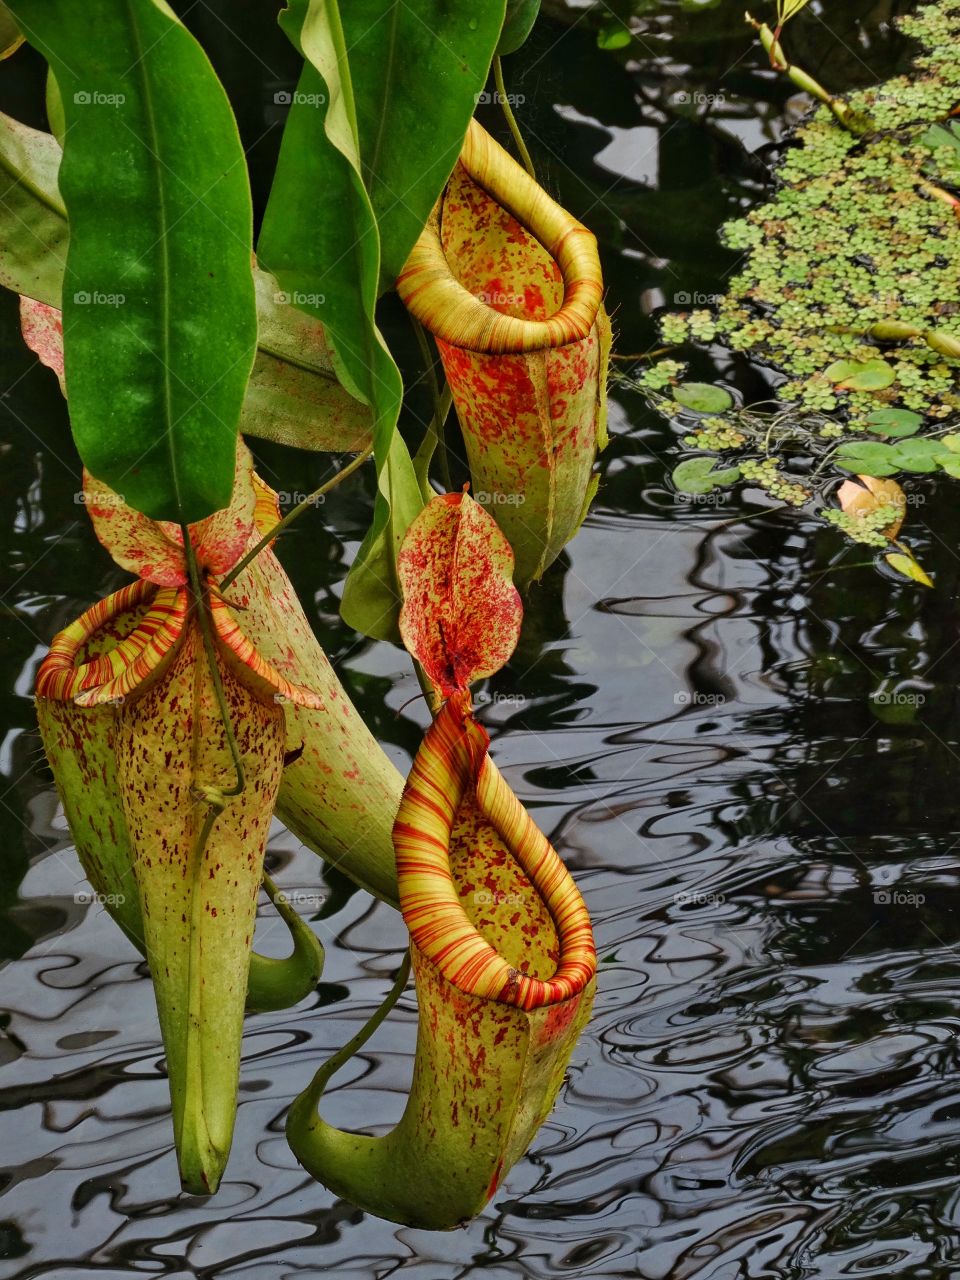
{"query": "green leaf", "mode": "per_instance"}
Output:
(703, 397)
(787, 9)
(867, 459)
(293, 396)
(320, 239)
(33, 221)
(919, 454)
(857, 375)
(696, 475)
(614, 36)
(517, 25)
(10, 37)
(417, 71)
(159, 317)
(894, 423)
(939, 135)
(908, 568)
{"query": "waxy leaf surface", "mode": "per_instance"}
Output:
(158, 298)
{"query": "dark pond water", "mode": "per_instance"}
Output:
(769, 849)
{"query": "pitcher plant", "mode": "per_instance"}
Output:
(500, 939)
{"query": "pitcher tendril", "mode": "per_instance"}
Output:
(294, 514)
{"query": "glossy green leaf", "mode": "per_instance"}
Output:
(867, 459)
(517, 25)
(417, 71)
(320, 239)
(860, 375)
(697, 475)
(894, 423)
(703, 397)
(158, 299)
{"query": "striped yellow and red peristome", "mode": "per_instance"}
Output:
(453, 763)
(442, 304)
(510, 286)
(504, 965)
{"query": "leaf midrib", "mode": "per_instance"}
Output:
(150, 114)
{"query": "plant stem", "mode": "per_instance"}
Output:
(511, 119)
(295, 512)
(206, 632)
(806, 83)
(353, 1045)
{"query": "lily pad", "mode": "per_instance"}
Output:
(920, 454)
(703, 397)
(860, 375)
(894, 423)
(867, 459)
(697, 475)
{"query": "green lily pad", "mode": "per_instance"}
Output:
(867, 458)
(697, 475)
(857, 375)
(920, 454)
(703, 397)
(894, 423)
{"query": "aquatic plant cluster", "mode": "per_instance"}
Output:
(849, 291)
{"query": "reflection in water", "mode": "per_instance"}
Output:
(744, 745)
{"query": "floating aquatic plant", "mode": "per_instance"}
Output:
(849, 292)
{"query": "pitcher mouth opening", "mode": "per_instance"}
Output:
(452, 762)
(433, 294)
(153, 623)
